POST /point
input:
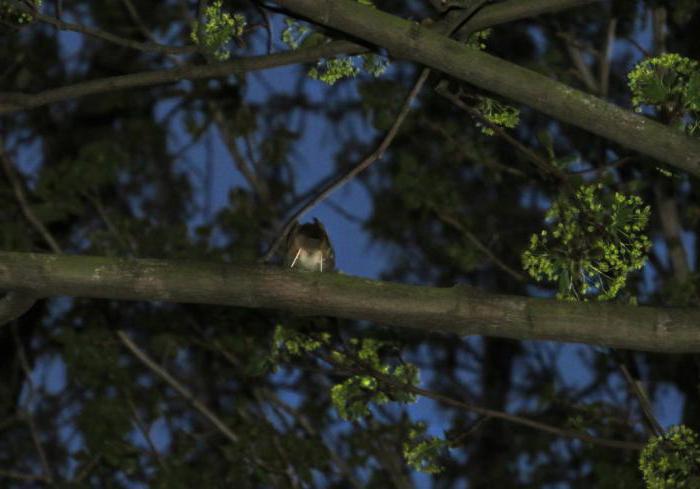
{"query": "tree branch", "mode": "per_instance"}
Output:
(459, 310)
(114, 39)
(16, 101)
(336, 183)
(177, 386)
(408, 40)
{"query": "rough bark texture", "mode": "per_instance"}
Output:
(408, 40)
(460, 310)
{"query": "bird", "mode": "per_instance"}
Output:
(310, 248)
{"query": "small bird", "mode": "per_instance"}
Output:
(310, 248)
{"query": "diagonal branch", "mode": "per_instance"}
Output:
(177, 386)
(471, 237)
(114, 39)
(36, 223)
(489, 413)
(409, 40)
(377, 154)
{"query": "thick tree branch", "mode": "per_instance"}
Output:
(460, 310)
(409, 40)
(510, 10)
(492, 15)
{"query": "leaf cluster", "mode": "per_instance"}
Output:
(670, 82)
(329, 71)
(595, 240)
(217, 30)
(672, 460)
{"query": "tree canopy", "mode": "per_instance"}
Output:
(511, 190)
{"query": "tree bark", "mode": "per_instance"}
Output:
(408, 40)
(460, 310)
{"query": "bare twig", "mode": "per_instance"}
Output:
(23, 204)
(542, 164)
(179, 388)
(364, 164)
(114, 39)
(28, 417)
(126, 240)
(21, 476)
(638, 391)
(138, 21)
(611, 166)
(454, 223)
(308, 426)
(143, 430)
(229, 140)
(343, 212)
(492, 413)
(583, 70)
(672, 229)
(85, 471)
(267, 22)
(604, 60)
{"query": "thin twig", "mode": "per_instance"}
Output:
(144, 432)
(364, 164)
(23, 204)
(308, 426)
(543, 165)
(267, 22)
(179, 388)
(124, 238)
(230, 142)
(28, 417)
(604, 60)
(136, 18)
(85, 471)
(611, 166)
(344, 213)
(454, 223)
(13, 474)
(583, 70)
(642, 398)
(114, 39)
(492, 413)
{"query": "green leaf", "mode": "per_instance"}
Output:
(312, 40)
(654, 91)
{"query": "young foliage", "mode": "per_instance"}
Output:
(595, 240)
(672, 461)
(372, 380)
(377, 383)
(669, 82)
(329, 71)
(496, 113)
(11, 14)
(218, 30)
(422, 453)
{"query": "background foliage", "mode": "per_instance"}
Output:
(323, 402)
